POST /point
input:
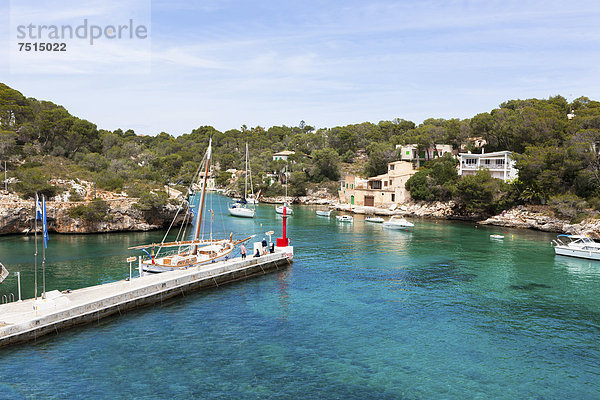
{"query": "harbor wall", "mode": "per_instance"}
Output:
(175, 283)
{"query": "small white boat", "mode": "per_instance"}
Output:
(376, 220)
(397, 223)
(288, 211)
(238, 210)
(321, 213)
(497, 237)
(344, 218)
(576, 246)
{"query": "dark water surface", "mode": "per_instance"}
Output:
(363, 313)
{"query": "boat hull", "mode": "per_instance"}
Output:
(570, 252)
(279, 210)
(242, 212)
(147, 266)
(396, 226)
(375, 220)
(323, 213)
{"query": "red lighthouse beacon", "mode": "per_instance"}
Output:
(283, 243)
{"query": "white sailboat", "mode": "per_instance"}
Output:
(181, 254)
(239, 208)
(288, 209)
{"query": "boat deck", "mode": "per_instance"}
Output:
(21, 321)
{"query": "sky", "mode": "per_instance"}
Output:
(229, 63)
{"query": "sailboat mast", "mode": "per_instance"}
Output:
(199, 215)
(246, 180)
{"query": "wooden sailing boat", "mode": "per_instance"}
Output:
(239, 209)
(170, 256)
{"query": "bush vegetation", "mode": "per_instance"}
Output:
(555, 156)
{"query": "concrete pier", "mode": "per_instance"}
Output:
(29, 320)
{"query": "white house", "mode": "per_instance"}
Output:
(500, 164)
(283, 155)
(410, 152)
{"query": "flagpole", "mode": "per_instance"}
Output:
(36, 249)
(44, 247)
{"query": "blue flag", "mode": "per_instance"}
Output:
(45, 222)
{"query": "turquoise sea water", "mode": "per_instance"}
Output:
(441, 311)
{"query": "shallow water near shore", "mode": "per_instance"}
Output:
(441, 311)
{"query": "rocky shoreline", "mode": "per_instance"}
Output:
(529, 217)
(17, 217)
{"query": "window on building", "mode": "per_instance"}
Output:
(352, 186)
(390, 182)
(471, 161)
(385, 183)
(393, 197)
(500, 162)
(391, 167)
(487, 162)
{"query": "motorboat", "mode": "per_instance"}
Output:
(497, 237)
(288, 211)
(344, 218)
(397, 223)
(322, 213)
(576, 246)
(376, 220)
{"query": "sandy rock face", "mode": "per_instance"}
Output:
(17, 216)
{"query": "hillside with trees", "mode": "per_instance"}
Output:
(557, 158)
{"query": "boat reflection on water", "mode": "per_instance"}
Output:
(580, 266)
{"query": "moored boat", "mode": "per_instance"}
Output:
(576, 246)
(288, 211)
(322, 213)
(344, 218)
(181, 254)
(240, 209)
(397, 223)
(373, 219)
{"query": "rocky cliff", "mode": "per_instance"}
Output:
(543, 219)
(17, 216)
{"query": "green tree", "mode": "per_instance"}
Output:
(418, 186)
(380, 154)
(325, 165)
(298, 183)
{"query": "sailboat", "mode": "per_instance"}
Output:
(239, 209)
(279, 209)
(181, 254)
